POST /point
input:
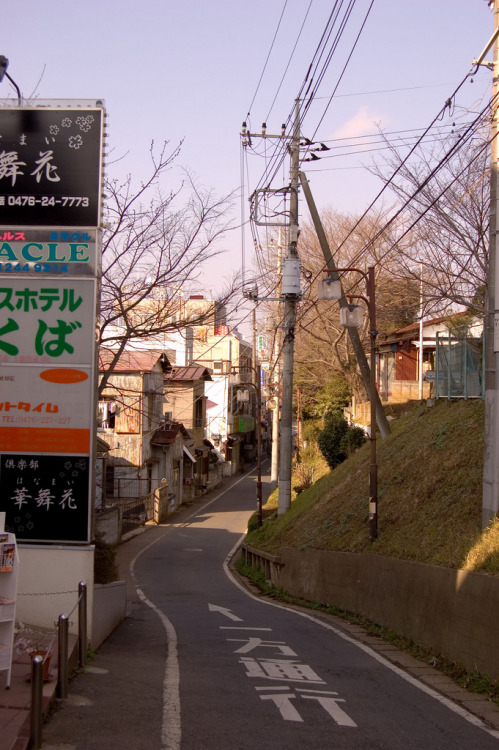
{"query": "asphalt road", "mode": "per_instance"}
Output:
(201, 664)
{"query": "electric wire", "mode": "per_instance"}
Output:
(317, 76)
(456, 146)
(309, 98)
(289, 61)
(281, 149)
(268, 57)
(344, 68)
(472, 130)
(404, 161)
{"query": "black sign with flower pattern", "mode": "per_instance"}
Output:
(50, 166)
(45, 497)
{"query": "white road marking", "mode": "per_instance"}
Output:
(96, 670)
(251, 643)
(78, 700)
(283, 703)
(332, 708)
(241, 627)
(171, 731)
(456, 708)
(224, 611)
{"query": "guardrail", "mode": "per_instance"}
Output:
(257, 558)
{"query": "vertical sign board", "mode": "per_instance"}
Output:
(50, 188)
(50, 166)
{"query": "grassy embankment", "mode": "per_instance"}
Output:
(430, 509)
(429, 490)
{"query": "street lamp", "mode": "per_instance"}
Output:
(258, 390)
(4, 64)
(352, 316)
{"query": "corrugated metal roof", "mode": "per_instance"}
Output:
(426, 323)
(132, 361)
(167, 435)
(191, 372)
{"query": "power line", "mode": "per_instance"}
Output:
(268, 57)
(314, 77)
(289, 61)
(404, 161)
(389, 91)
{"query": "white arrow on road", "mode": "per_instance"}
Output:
(224, 611)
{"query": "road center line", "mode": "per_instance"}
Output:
(171, 729)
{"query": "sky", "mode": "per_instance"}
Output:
(192, 71)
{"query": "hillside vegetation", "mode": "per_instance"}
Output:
(429, 491)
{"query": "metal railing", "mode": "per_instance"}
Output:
(133, 487)
(136, 513)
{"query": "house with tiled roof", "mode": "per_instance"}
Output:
(440, 357)
(146, 451)
(408, 359)
(185, 401)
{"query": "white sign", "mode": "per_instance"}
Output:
(47, 320)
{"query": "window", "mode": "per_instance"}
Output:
(198, 412)
(106, 415)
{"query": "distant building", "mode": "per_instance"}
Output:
(144, 453)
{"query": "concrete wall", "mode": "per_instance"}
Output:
(109, 610)
(48, 584)
(402, 391)
(163, 505)
(179, 399)
(454, 612)
(214, 476)
(109, 523)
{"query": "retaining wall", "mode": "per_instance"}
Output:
(454, 612)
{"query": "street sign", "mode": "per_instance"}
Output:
(46, 497)
(45, 252)
(46, 320)
(50, 166)
(50, 214)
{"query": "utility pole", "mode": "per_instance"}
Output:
(274, 468)
(253, 350)
(289, 295)
(299, 431)
(420, 353)
(490, 501)
(276, 360)
(290, 292)
(353, 333)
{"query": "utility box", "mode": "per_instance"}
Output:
(291, 276)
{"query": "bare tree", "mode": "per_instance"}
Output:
(443, 194)
(154, 246)
(323, 351)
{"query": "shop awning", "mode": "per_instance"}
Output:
(189, 455)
